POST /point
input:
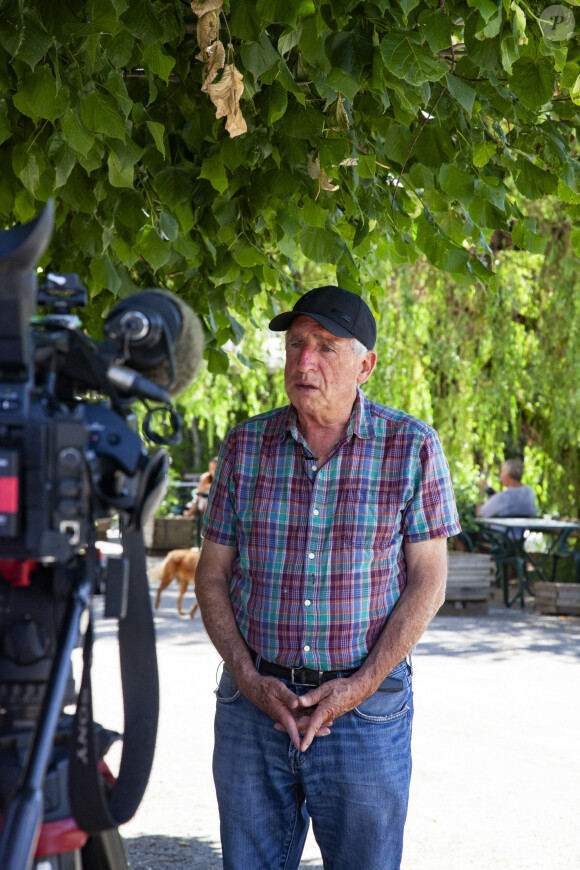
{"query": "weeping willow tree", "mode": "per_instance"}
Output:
(495, 373)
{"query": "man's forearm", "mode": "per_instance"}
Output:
(405, 626)
(213, 596)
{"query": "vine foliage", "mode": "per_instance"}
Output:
(364, 130)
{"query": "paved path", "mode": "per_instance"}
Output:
(496, 781)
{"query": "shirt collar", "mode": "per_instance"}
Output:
(360, 423)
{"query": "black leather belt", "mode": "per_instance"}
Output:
(298, 676)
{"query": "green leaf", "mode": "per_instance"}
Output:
(464, 94)
(119, 48)
(128, 153)
(174, 185)
(168, 226)
(436, 28)
(533, 81)
(486, 8)
(366, 167)
(119, 176)
(104, 274)
(259, 56)
(405, 58)
(99, 113)
(408, 5)
(333, 151)
(34, 43)
(5, 126)
(533, 181)
(247, 254)
(213, 169)
(456, 183)
(482, 151)
(190, 249)
(158, 62)
(157, 131)
(217, 361)
(313, 213)
(78, 137)
(350, 52)
(277, 102)
(127, 254)
(40, 97)
(118, 89)
(155, 251)
(343, 84)
(280, 11)
(397, 143)
(321, 245)
(140, 20)
(62, 157)
(485, 215)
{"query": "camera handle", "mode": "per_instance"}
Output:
(25, 814)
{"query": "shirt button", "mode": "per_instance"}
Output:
(315, 512)
(306, 647)
(311, 555)
(308, 602)
(312, 468)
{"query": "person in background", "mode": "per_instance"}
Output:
(199, 503)
(515, 499)
(323, 562)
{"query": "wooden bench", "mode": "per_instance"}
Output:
(470, 582)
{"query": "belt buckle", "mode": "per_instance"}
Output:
(298, 679)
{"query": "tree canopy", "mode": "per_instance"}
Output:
(364, 131)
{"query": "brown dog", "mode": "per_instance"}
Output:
(180, 564)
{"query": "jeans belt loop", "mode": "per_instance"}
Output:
(292, 674)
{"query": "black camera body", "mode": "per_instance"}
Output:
(57, 471)
(71, 454)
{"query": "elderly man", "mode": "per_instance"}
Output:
(323, 561)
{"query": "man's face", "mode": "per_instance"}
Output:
(322, 371)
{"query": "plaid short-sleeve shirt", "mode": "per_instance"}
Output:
(320, 560)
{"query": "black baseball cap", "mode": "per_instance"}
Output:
(341, 312)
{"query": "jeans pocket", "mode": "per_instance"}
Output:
(388, 706)
(227, 690)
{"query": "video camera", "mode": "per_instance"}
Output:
(70, 454)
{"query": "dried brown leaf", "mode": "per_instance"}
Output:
(314, 171)
(225, 95)
(235, 124)
(207, 30)
(215, 58)
(200, 7)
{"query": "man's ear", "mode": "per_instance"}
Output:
(367, 366)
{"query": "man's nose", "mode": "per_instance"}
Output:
(306, 360)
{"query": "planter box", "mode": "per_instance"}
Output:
(470, 581)
(558, 599)
(171, 533)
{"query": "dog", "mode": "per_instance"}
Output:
(181, 564)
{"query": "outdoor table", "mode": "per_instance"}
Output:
(559, 530)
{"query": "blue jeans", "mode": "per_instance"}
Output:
(353, 784)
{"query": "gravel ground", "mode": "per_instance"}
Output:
(495, 745)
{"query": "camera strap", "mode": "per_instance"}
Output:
(94, 805)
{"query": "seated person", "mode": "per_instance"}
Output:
(515, 500)
(199, 503)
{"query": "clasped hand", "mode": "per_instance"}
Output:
(306, 716)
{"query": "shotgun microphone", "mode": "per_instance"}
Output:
(158, 335)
